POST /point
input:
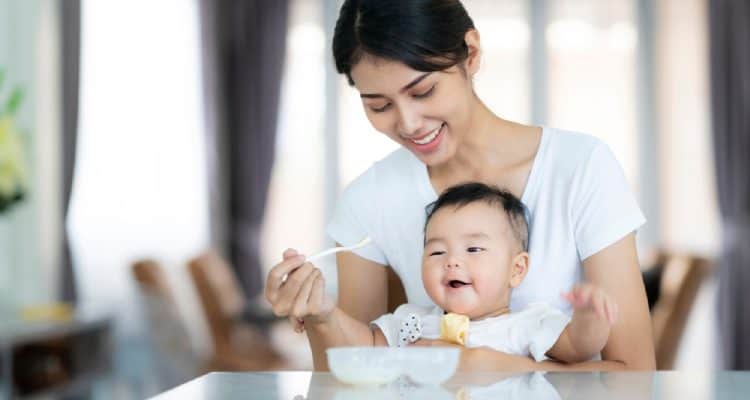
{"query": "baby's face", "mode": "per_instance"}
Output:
(469, 261)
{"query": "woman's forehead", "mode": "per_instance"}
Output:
(378, 75)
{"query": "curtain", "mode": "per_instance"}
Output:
(243, 56)
(729, 22)
(70, 36)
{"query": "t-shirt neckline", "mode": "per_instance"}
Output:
(429, 194)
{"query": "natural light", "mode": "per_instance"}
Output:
(140, 187)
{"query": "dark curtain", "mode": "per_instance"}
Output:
(70, 38)
(729, 22)
(243, 58)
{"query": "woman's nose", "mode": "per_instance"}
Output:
(409, 122)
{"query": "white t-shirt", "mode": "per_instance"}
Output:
(577, 195)
(530, 332)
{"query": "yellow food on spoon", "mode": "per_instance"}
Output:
(454, 327)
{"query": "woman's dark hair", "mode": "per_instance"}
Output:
(467, 193)
(426, 35)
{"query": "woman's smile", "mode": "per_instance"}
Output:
(428, 143)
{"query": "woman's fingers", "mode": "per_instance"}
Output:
(287, 293)
(297, 324)
(317, 295)
(276, 277)
(300, 308)
(289, 253)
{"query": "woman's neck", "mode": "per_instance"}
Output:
(487, 143)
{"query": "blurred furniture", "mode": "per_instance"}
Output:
(238, 345)
(680, 278)
(174, 359)
(54, 358)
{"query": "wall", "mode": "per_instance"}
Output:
(29, 231)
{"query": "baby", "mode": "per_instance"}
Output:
(475, 253)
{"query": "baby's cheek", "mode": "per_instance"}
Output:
(489, 288)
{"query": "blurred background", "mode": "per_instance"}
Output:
(157, 156)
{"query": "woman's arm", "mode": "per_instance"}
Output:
(616, 271)
(363, 295)
(339, 330)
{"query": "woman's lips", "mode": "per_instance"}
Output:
(429, 142)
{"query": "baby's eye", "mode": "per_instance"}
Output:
(474, 249)
(437, 253)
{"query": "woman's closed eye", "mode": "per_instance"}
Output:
(424, 94)
(380, 109)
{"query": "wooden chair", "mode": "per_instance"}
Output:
(176, 360)
(238, 346)
(681, 279)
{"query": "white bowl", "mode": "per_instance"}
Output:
(381, 365)
(429, 365)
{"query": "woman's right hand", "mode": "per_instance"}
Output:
(296, 289)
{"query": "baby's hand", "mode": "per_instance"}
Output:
(586, 297)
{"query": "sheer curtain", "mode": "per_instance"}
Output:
(140, 185)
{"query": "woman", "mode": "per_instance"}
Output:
(412, 63)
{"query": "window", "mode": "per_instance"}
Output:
(140, 187)
(295, 209)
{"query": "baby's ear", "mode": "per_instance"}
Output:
(519, 268)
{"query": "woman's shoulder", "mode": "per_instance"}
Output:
(567, 153)
(571, 145)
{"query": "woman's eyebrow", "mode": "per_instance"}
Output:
(403, 89)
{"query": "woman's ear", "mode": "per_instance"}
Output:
(475, 52)
(519, 268)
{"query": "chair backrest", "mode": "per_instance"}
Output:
(681, 279)
(167, 333)
(151, 278)
(220, 295)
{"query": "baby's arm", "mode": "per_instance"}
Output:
(588, 330)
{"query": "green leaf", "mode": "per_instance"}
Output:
(14, 101)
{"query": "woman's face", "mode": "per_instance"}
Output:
(426, 112)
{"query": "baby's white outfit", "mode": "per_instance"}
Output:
(530, 332)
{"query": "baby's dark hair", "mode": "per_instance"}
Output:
(467, 193)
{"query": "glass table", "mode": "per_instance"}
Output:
(291, 385)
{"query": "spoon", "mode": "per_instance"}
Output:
(364, 242)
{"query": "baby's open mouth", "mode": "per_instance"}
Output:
(455, 283)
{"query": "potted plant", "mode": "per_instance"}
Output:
(12, 160)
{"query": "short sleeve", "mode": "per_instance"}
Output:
(603, 208)
(390, 324)
(355, 217)
(545, 324)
